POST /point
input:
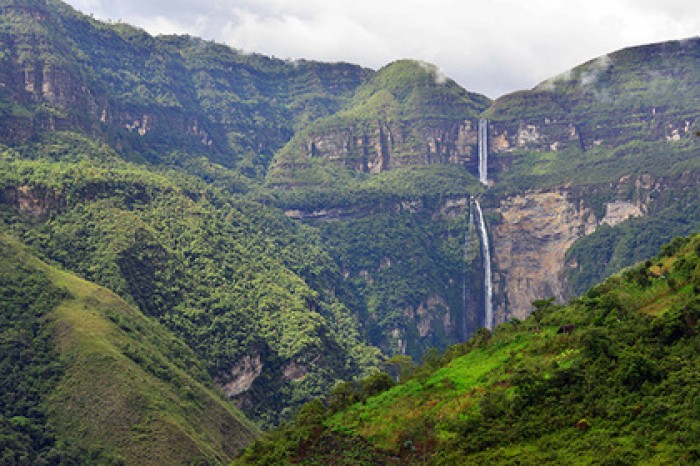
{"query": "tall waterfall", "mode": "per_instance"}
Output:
(483, 140)
(488, 285)
(468, 235)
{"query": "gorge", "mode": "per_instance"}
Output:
(267, 228)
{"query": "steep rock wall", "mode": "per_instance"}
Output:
(383, 145)
(408, 291)
(536, 229)
(543, 133)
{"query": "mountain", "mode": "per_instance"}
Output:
(295, 223)
(124, 157)
(611, 143)
(156, 99)
(384, 181)
(589, 172)
(247, 289)
(89, 378)
(609, 378)
(407, 114)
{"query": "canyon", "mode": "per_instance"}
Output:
(293, 224)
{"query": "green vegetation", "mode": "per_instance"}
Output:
(404, 270)
(400, 247)
(150, 97)
(418, 89)
(396, 110)
(609, 378)
(430, 184)
(597, 166)
(29, 369)
(89, 379)
(622, 127)
(611, 249)
(228, 276)
(159, 167)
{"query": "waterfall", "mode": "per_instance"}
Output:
(468, 235)
(483, 140)
(488, 285)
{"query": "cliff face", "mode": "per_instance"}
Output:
(536, 230)
(573, 132)
(404, 269)
(610, 140)
(585, 151)
(32, 202)
(646, 93)
(406, 115)
(383, 145)
(63, 71)
(381, 165)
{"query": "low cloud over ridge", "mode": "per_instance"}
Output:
(490, 47)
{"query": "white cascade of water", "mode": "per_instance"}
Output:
(483, 141)
(488, 285)
(468, 235)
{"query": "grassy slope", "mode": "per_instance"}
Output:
(122, 390)
(621, 389)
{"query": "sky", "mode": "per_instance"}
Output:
(491, 46)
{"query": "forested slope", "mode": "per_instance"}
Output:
(236, 281)
(609, 378)
(293, 224)
(88, 378)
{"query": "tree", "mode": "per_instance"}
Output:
(401, 366)
(541, 308)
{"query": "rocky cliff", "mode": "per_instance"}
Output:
(406, 268)
(408, 114)
(588, 171)
(595, 147)
(533, 233)
(383, 145)
(646, 93)
(148, 96)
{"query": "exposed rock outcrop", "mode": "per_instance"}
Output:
(537, 229)
(242, 375)
(530, 245)
(35, 202)
(380, 146)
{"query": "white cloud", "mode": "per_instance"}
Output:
(437, 73)
(597, 68)
(491, 47)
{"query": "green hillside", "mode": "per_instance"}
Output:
(621, 387)
(98, 381)
(631, 114)
(165, 100)
(233, 279)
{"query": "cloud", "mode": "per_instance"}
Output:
(437, 73)
(599, 66)
(491, 47)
